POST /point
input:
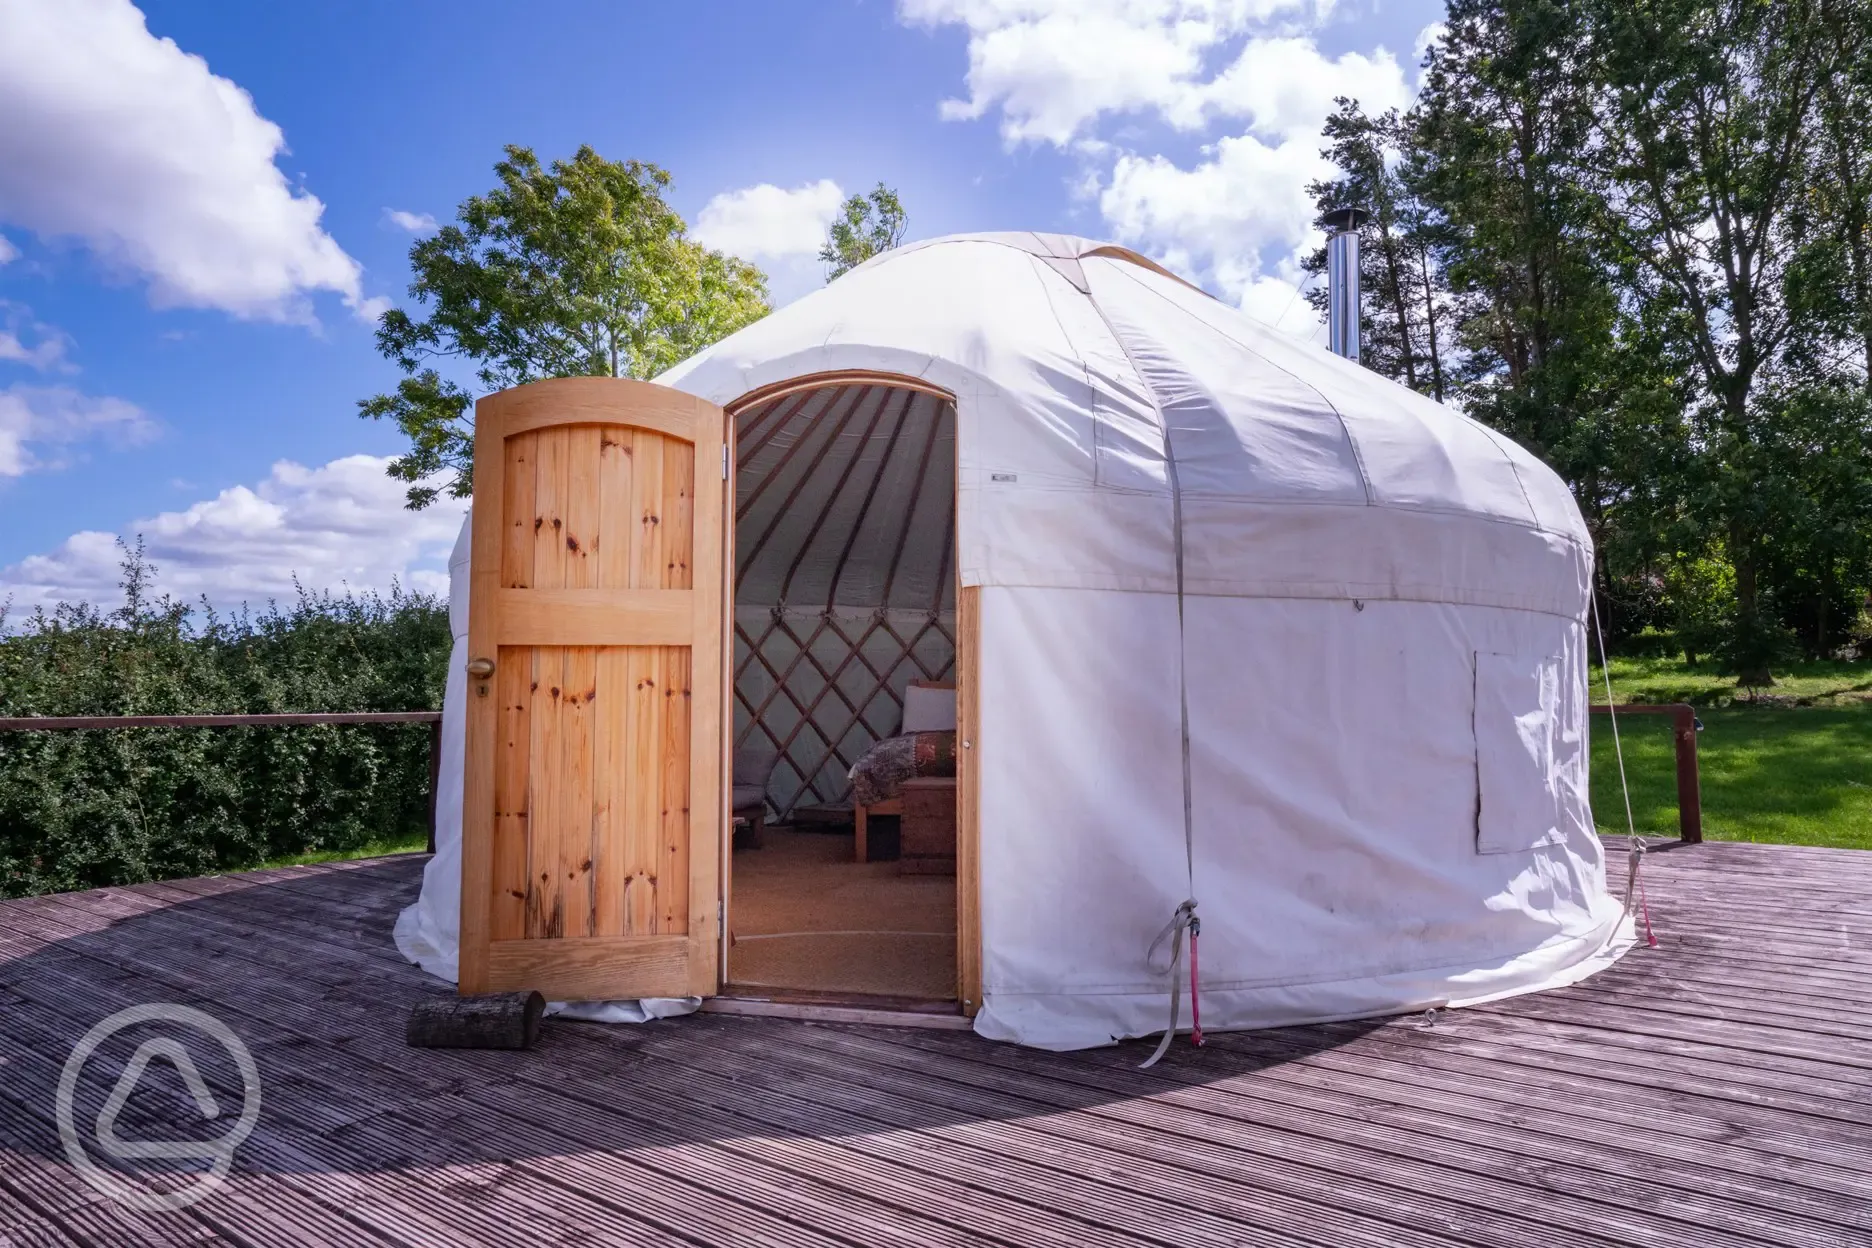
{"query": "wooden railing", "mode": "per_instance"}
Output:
(72, 723)
(1684, 732)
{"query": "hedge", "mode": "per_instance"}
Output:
(91, 808)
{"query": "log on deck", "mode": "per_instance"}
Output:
(1714, 1091)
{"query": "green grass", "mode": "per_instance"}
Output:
(375, 849)
(1797, 775)
(1791, 763)
(1673, 680)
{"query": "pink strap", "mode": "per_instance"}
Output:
(1644, 909)
(1196, 1036)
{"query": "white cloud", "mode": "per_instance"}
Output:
(1284, 87)
(766, 222)
(1433, 33)
(124, 142)
(1220, 212)
(371, 310)
(8, 252)
(414, 222)
(337, 526)
(1240, 218)
(24, 340)
(1056, 67)
(41, 425)
(778, 229)
(1246, 74)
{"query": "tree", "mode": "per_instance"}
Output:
(1842, 195)
(575, 269)
(866, 225)
(1402, 322)
(1705, 146)
(1482, 284)
(1647, 226)
(1499, 125)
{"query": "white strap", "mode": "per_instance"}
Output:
(1185, 913)
(1173, 932)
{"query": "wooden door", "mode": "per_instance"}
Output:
(594, 803)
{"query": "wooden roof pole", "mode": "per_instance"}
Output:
(760, 487)
(916, 496)
(838, 488)
(745, 450)
(864, 509)
(780, 513)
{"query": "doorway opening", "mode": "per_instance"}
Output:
(841, 884)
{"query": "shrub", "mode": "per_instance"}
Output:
(99, 807)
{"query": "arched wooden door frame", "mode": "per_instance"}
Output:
(968, 697)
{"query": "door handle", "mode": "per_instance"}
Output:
(479, 670)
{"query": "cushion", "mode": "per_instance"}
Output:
(929, 710)
(748, 795)
(754, 762)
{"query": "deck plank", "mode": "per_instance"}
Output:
(320, 1081)
(1716, 1090)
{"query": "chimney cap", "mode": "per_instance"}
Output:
(1344, 220)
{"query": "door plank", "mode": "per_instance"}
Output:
(518, 512)
(545, 799)
(647, 502)
(676, 574)
(590, 968)
(610, 789)
(549, 488)
(605, 617)
(584, 505)
(673, 870)
(584, 509)
(678, 517)
(576, 829)
(616, 448)
(643, 822)
(513, 685)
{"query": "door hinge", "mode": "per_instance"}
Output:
(724, 462)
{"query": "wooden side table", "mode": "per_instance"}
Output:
(929, 826)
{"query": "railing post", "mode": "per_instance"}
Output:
(1689, 788)
(435, 776)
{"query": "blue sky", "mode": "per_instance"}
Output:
(184, 333)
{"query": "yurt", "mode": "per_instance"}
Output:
(967, 636)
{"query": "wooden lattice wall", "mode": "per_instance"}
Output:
(845, 521)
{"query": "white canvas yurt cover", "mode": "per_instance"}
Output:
(1366, 653)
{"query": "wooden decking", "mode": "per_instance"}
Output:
(1714, 1091)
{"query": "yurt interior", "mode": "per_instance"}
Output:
(844, 659)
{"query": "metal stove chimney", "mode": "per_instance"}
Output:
(1342, 279)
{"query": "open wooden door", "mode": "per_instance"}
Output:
(594, 804)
